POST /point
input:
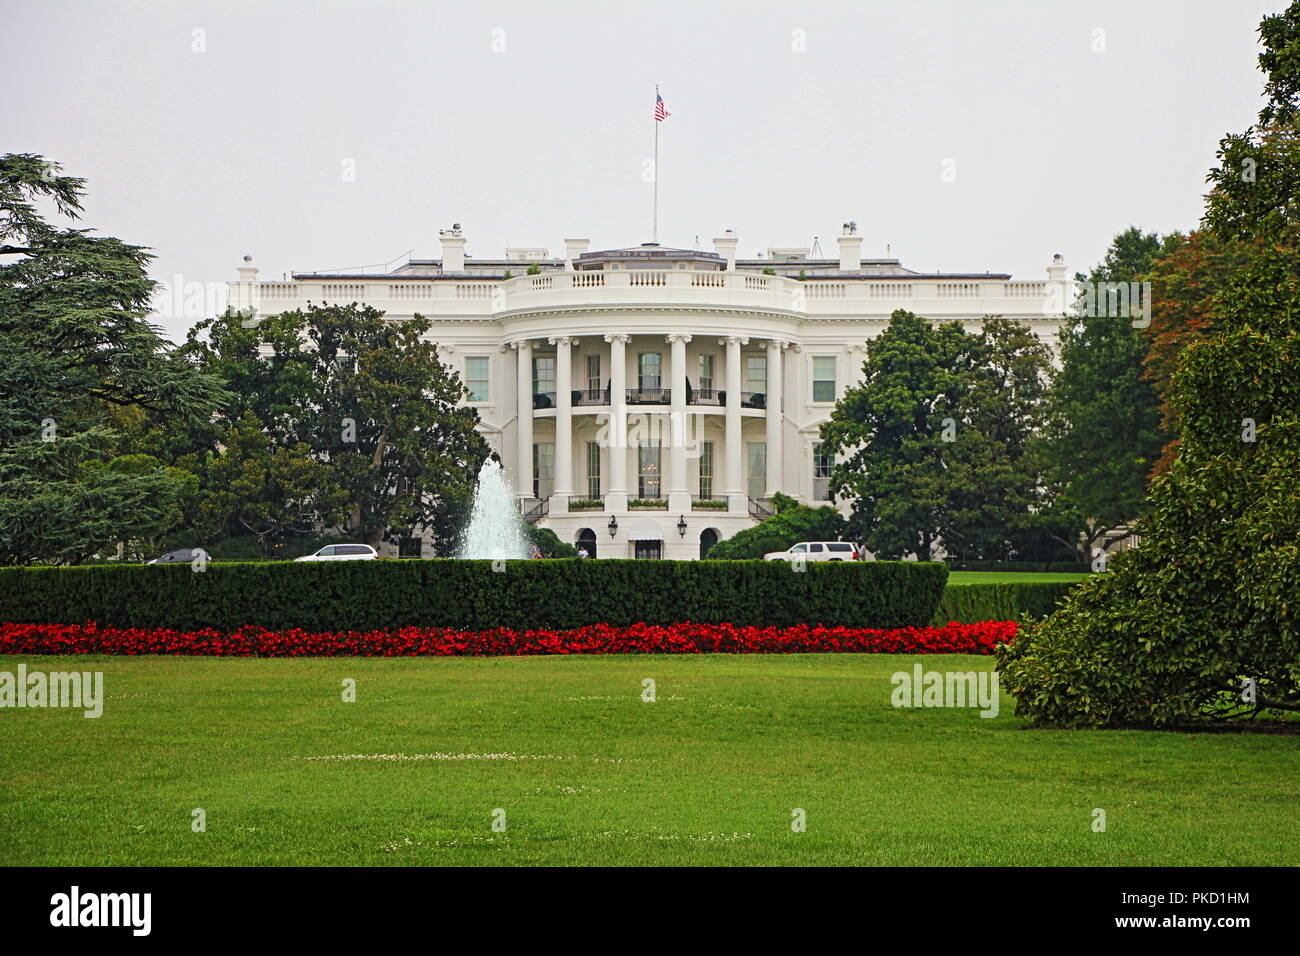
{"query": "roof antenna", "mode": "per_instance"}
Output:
(816, 249)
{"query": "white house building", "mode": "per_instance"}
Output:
(649, 401)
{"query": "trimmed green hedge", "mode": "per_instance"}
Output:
(970, 603)
(365, 595)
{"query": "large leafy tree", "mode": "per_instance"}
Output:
(367, 396)
(76, 353)
(933, 446)
(992, 469)
(887, 434)
(1185, 279)
(1204, 617)
(273, 492)
(1102, 431)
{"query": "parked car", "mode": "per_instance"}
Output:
(180, 556)
(342, 552)
(817, 551)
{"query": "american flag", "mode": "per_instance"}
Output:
(660, 110)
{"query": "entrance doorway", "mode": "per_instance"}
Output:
(586, 541)
(651, 550)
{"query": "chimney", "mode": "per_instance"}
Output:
(1056, 271)
(453, 249)
(572, 249)
(726, 247)
(248, 271)
(850, 248)
(243, 294)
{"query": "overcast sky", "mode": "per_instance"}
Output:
(1063, 122)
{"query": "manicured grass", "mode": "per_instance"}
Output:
(1013, 577)
(707, 774)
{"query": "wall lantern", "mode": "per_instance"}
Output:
(613, 526)
(681, 526)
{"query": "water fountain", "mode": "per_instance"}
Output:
(495, 529)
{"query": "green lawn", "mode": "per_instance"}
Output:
(1012, 577)
(708, 774)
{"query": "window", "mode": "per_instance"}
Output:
(649, 365)
(649, 550)
(756, 458)
(593, 373)
(543, 469)
(822, 464)
(476, 379)
(756, 373)
(706, 373)
(706, 469)
(543, 374)
(409, 547)
(326, 552)
(823, 378)
(799, 549)
(648, 470)
(593, 469)
(814, 549)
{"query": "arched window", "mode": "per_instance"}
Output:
(708, 538)
(585, 541)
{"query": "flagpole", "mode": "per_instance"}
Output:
(654, 222)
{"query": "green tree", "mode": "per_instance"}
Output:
(1102, 431)
(933, 446)
(1185, 281)
(366, 395)
(1204, 617)
(272, 492)
(76, 352)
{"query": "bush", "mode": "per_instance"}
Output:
(777, 532)
(370, 595)
(549, 543)
(971, 603)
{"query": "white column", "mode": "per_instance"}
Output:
(616, 432)
(679, 496)
(734, 460)
(563, 424)
(775, 450)
(524, 428)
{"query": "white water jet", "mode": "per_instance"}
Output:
(496, 529)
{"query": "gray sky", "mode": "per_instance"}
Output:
(206, 156)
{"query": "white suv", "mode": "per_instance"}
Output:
(817, 551)
(342, 552)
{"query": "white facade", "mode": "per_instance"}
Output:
(716, 372)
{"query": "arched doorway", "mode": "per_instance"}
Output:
(708, 538)
(585, 541)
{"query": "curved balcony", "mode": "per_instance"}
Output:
(599, 397)
(585, 290)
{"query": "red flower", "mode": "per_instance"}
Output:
(684, 638)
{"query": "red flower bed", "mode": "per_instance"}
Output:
(685, 638)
